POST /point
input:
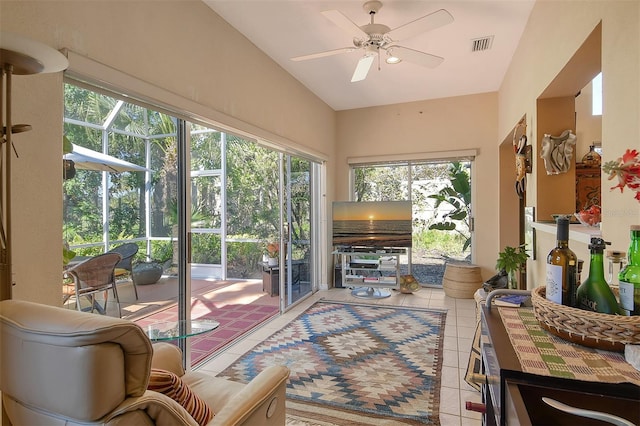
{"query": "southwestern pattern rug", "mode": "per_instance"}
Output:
(355, 364)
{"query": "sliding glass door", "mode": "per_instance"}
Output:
(297, 236)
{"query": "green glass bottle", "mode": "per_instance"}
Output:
(594, 294)
(629, 277)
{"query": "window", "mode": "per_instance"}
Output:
(596, 106)
(440, 192)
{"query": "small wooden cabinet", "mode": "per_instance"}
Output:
(271, 280)
(587, 186)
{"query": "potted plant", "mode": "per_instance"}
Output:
(511, 260)
(273, 249)
(149, 270)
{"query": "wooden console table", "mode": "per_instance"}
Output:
(512, 396)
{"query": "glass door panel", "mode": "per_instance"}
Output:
(298, 226)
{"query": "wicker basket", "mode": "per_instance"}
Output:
(461, 280)
(596, 330)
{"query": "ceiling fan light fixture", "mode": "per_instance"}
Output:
(391, 58)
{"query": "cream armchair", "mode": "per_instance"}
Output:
(63, 367)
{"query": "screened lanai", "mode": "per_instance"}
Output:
(236, 196)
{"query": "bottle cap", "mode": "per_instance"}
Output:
(562, 228)
(598, 245)
(616, 255)
(634, 227)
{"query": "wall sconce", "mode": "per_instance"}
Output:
(18, 56)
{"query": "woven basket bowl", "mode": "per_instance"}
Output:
(593, 329)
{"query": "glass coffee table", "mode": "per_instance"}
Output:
(172, 330)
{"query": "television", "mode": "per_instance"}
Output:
(372, 224)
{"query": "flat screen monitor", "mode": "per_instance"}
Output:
(372, 224)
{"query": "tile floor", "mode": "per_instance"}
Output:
(459, 330)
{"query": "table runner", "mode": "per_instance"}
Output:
(545, 354)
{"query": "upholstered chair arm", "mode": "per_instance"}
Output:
(167, 357)
(259, 403)
(152, 408)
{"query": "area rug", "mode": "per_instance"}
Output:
(235, 320)
(355, 364)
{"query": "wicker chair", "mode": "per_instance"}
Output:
(124, 267)
(93, 276)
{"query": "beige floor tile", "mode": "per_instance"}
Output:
(450, 330)
(450, 342)
(450, 358)
(450, 377)
(466, 421)
(464, 344)
(449, 420)
(450, 401)
(463, 359)
(466, 332)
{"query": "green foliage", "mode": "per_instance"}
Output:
(252, 184)
(381, 183)
(161, 251)
(67, 254)
(457, 197)
(243, 259)
(512, 258)
(442, 241)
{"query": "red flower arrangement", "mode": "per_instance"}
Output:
(627, 170)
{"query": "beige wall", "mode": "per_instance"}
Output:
(459, 123)
(180, 46)
(229, 75)
(555, 31)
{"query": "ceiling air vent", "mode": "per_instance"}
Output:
(480, 44)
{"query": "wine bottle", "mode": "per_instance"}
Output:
(561, 268)
(594, 294)
(629, 277)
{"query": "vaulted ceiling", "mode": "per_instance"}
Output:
(284, 29)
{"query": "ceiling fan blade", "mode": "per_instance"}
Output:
(345, 23)
(323, 54)
(415, 56)
(428, 22)
(362, 69)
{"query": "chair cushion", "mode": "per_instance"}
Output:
(166, 382)
(118, 272)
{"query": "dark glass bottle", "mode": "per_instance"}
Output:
(591, 158)
(561, 268)
(594, 294)
(629, 277)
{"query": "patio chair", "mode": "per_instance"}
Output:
(125, 267)
(93, 276)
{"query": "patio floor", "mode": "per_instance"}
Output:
(156, 297)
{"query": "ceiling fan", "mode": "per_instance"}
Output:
(374, 38)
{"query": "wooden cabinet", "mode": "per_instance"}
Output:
(514, 397)
(587, 186)
(271, 280)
